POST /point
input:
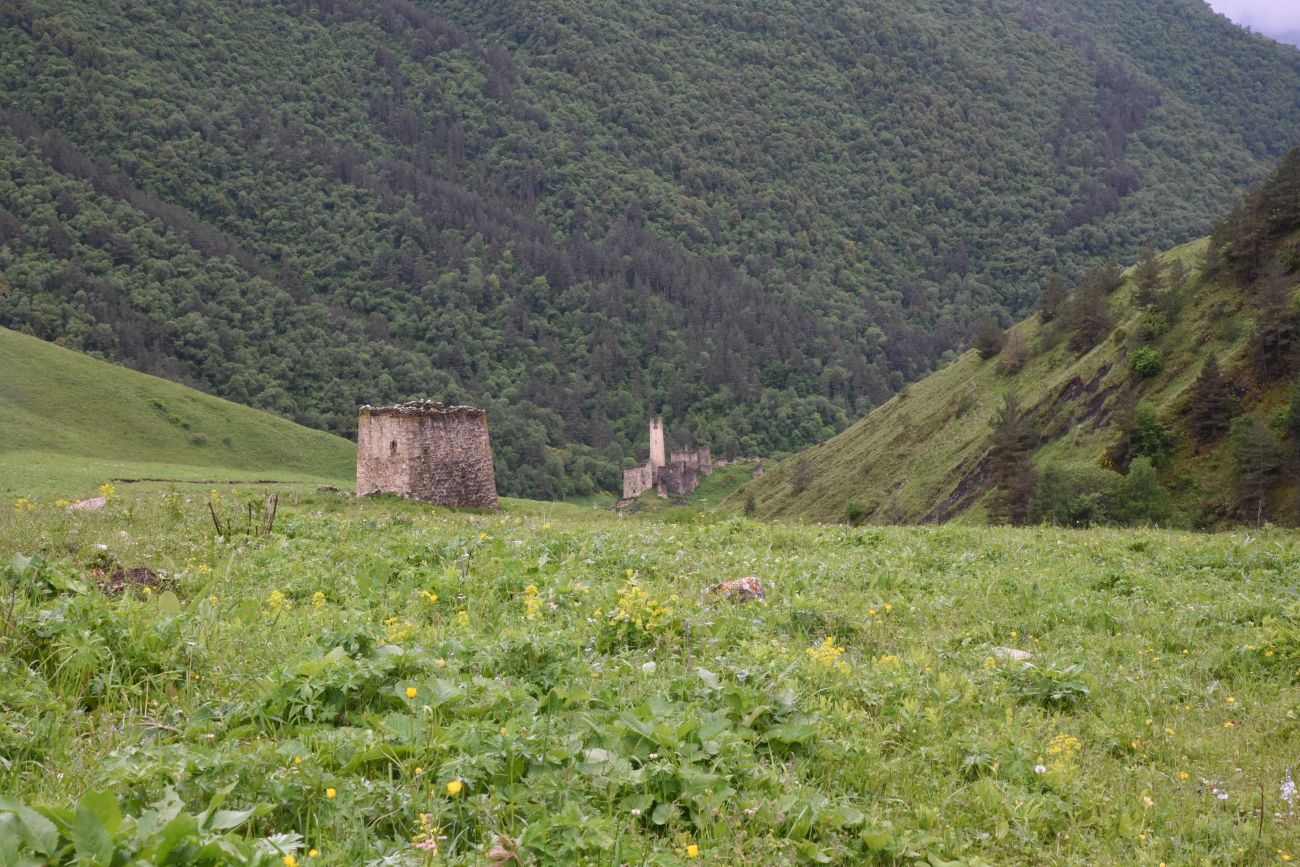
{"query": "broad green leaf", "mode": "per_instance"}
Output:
(89, 836)
(168, 604)
(664, 813)
(10, 838)
(224, 820)
(174, 833)
(814, 853)
(40, 833)
(876, 840)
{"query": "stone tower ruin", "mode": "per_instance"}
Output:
(422, 450)
(679, 476)
(656, 443)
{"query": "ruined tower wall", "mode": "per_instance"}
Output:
(700, 459)
(637, 481)
(677, 479)
(428, 452)
(656, 443)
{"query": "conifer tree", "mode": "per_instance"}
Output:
(1055, 297)
(1212, 403)
(1088, 315)
(1014, 353)
(1149, 276)
(988, 337)
(1258, 461)
(1011, 446)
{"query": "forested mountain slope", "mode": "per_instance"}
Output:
(1166, 395)
(758, 220)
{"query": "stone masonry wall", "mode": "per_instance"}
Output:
(637, 481)
(425, 451)
(656, 443)
(697, 459)
(676, 478)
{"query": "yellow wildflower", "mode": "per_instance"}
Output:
(290, 861)
(410, 692)
(462, 618)
(397, 631)
(313, 853)
(318, 600)
(638, 608)
(532, 602)
(828, 654)
(330, 793)
(454, 787)
(692, 851)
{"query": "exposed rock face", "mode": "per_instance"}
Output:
(425, 451)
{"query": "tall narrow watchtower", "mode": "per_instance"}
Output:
(425, 451)
(656, 443)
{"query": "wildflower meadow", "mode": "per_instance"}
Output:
(378, 682)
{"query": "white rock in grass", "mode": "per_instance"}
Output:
(1012, 654)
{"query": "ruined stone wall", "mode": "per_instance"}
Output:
(425, 451)
(676, 478)
(700, 459)
(637, 481)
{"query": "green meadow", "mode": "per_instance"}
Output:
(69, 423)
(379, 682)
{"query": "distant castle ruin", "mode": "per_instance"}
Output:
(680, 475)
(422, 450)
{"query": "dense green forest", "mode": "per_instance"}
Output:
(760, 221)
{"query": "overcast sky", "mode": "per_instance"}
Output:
(1279, 18)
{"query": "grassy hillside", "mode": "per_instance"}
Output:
(559, 685)
(920, 456)
(759, 221)
(69, 423)
(924, 455)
